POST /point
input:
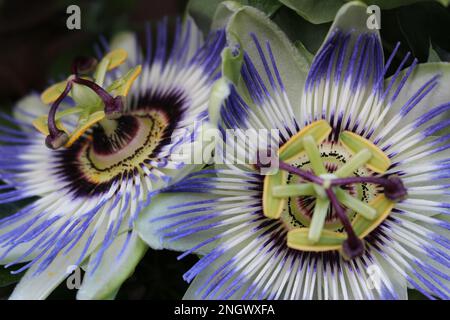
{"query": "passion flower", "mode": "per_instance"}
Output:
(106, 148)
(358, 207)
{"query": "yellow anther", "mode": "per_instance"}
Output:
(42, 126)
(319, 130)
(123, 85)
(329, 240)
(379, 162)
(85, 125)
(53, 92)
(272, 206)
(116, 58)
(41, 123)
(363, 226)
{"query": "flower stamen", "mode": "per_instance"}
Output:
(93, 102)
(329, 195)
(113, 106)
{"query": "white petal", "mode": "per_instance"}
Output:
(39, 286)
(159, 207)
(128, 42)
(113, 269)
(439, 95)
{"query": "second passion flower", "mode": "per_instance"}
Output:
(357, 208)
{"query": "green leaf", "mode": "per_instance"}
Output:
(299, 30)
(432, 55)
(392, 4)
(204, 11)
(320, 11)
(269, 7)
(302, 49)
(443, 54)
(411, 23)
(112, 271)
(292, 65)
(224, 12)
(315, 11)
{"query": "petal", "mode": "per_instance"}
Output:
(268, 101)
(398, 282)
(157, 215)
(437, 96)
(36, 285)
(128, 42)
(27, 109)
(417, 250)
(223, 12)
(344, 83)
(115, 267)
(191, 154)
(291, 64)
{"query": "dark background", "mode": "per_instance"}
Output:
(36, 47)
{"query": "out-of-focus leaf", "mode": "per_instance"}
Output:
(299, 30)
(315, 11)
(269, 7)
(203, 11)
(391, 4)
(224, 13)
(291, 64)
(432, 55)
(321, 11)
(443, 54)
(412, 25)
(421, 24)
(302, 49)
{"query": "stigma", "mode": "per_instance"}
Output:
(95, 101)
(333, 218)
